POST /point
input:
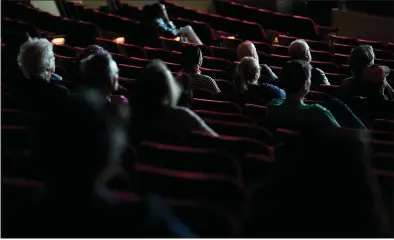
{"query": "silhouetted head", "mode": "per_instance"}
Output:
(361, 57)
(295, 77)
(156, 87)
(191, 58)
(299, 50)
(101, 72)
(247, 49)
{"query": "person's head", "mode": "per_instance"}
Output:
(374, 77)
(156, 87)
(249, 71)
(158, 10)
(36, 58)
(299, 50)
(191, 58)
(361, 57)
(296, 77)
(101, 72)
(247, 49)
(90, 50)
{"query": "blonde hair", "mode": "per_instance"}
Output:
(249, 71)
(36, 58)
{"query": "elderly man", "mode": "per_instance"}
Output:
(299, 50)
(247, 49)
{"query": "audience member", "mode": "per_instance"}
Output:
(36, 93)
(158, 13)
(155, 114)
(85, 53)
(374, 104)
(191, 64)
(292, 112)
(299, 50)
(248, 88)
(248, 49)
(360, 57)
(101, 72)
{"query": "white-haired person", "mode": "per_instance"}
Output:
(248, 49)
(156, 115)
(299, 50)
(36, 92)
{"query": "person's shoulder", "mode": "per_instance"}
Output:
(275, 103)
(346, 82)
(317, 71)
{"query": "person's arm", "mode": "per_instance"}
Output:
(319, 77)
(200, 125)
(165, 29)
(267, 72)
(214, 86)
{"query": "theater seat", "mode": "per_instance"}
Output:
(229, 117)
(238, 146)
(129, 71)
(256, 112)
(218, 106)
(212, 189)
(181, 158)
(240, 130)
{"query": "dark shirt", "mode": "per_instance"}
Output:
(351, 87)
(261, 94)
(372, 107)
(318, 78)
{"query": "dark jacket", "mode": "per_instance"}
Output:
(318, 78)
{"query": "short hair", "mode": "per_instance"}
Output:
(154, 84)
(36, 58)
(98, 69)
(294, 74)
(360, 57)
(191, 56)
(297, 49)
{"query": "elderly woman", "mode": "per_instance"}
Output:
(155, 114)
(158, 13)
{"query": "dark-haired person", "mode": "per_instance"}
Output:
(374, 104)
(248, 49)
(247, 87)
(155, 114)
(157, 12)
(299, 50)
(360, 57)
(191, 64)
(101, 72)
(292, 112)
